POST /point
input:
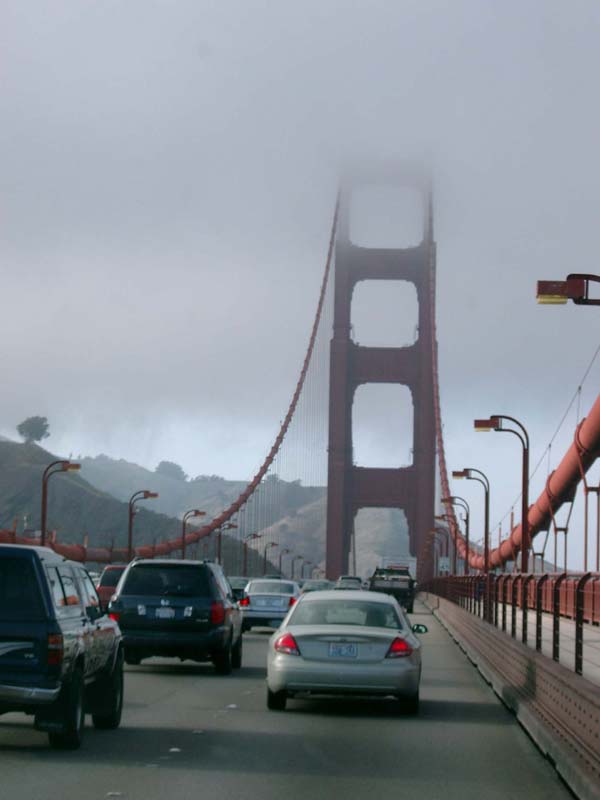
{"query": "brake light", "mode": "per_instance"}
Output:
(55, 649)
(292, 601)
(287, 644)
(217, 614)
(245, 601)
(399, 648)
(114, 615)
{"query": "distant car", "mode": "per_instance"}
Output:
(348, 582)
(61, 656)
(316, 585)
(272, 577)
(238, 584)
(266, 602)
(108, 582)
(350, 643)
(181, 609)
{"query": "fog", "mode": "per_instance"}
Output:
(169, 172)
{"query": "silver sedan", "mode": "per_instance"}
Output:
(267, 602)
(345, 643)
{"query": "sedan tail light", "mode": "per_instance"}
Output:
(217, 614)
(287, 644)
(114, 615)
(292, 601)
(245, 601)
(399, 648)
(55, 649)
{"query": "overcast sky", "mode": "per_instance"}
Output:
(168, 174)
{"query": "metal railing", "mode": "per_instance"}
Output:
(557, 614)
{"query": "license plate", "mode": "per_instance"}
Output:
(342, 650)
(267, 602)
(165, 613)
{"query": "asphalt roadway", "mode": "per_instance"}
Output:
(188, 734)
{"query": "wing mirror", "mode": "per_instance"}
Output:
(418, 628)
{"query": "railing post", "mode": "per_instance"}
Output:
(579, 609)
(495, 585)
(526, 580)
(556, 616)
(504, 586)
(513, 622)
(538, 611)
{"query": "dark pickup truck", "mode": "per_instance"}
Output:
(60, 655)
(397, 581)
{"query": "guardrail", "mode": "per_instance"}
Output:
(551, 612)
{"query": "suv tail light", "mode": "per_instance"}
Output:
(287, 644)
(292, 601)
(399, 648)
(245, 601)
(55, 649)
(114, 615)
(217, 613)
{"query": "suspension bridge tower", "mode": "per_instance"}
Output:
(410, 488)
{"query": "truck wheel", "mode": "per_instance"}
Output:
(410, 703)
(71, 715)
(111, 698)
(131, 657)
(236, 654)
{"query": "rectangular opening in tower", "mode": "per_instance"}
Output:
(380, 538)
(382, 425)
(385, 314)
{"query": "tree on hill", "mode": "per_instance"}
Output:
(171, 470)
(34, 429)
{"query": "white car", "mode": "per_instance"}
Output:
(267, 602)
(351, 642)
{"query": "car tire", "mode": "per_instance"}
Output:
(276, 700)
(132, 658)
(236, 654)
(223, 661)
(71, 715)
(111, 698)
(410, 703)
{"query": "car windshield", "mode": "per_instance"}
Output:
(316, 585)
(270, 587)
(20, 597)
(166, 579)
(110, 577)
(346, 612)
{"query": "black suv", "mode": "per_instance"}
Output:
(60, 655)
(178, 608)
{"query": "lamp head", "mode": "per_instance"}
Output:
(150, 495)
(460, 473)
(69, 466)
(491, 424)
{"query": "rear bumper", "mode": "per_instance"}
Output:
(396, 677)
(176, 643)
(27, 695)
(263, 618)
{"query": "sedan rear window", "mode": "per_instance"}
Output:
(270, 587)
(165, 579)
(20, 597)
(346, 612)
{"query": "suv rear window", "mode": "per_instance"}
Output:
(176, 580)
(20, 597)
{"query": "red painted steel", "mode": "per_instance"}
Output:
(351, 488)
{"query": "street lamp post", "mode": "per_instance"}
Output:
(194, 512)
(282, 553)
(143, 494)
(228, 526)
(267, 548)
(473, 474)
(62, 465)
(294, 559)
(249, 538)
(494, 423)
(462, 503)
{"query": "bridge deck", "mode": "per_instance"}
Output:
(464, 744)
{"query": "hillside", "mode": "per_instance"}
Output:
(76, 508)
